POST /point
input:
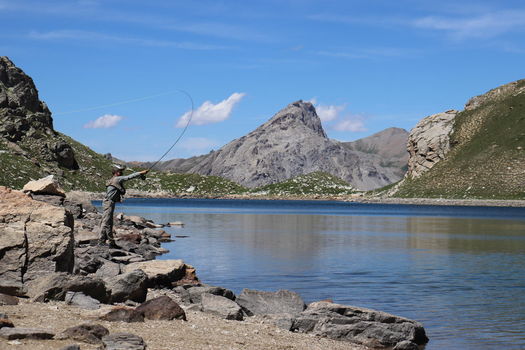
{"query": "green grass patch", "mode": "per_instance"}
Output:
(316, 183)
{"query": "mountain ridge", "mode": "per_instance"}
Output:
(291, 143)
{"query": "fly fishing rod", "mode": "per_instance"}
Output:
(182, 132)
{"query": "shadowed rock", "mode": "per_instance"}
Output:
(55, 286)
(162, 308)
(88, 333)
(128, 286)
(123, 314)
(25, 333)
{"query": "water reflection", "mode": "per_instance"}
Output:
(459, 273)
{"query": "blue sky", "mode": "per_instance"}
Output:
(111, 71)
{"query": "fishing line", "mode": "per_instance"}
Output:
(181, 134)
(120, 103)
(142, 99)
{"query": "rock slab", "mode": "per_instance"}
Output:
(256, 302)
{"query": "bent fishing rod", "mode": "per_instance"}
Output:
(181, 134)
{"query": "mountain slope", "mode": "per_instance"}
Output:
(389, 144)
(486, 158)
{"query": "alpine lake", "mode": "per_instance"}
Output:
(458, 270)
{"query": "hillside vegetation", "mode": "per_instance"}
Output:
(487, 156)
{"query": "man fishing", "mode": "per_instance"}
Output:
(114, 192)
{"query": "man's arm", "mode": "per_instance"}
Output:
(132, 176)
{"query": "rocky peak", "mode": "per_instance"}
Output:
(298, 114)
(26, 120)
(17, 90)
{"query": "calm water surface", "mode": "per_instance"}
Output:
(458, 270)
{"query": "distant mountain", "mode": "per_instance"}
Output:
(390, 144)
(476, 153)
(293, 143)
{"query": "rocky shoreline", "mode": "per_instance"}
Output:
(51, 269)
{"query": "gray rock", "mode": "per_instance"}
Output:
(89, 259)
(261, 303)
(25, 333)
(108, 270)
(358, 325)
(130, 285)
(88, 333)
(221, 306)
(123, 341)
(195, 293)
(429, 142)
(81, 300)
(283, 321)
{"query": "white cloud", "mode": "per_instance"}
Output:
(209, 113)
(104, 122)
(481, 26)
(351, 123)
(327, 113)
(96, 37)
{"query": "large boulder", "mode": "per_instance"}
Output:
(46, 185)
(162, 273)
(56, 285)
(128, 286)
(221, 306)
(35, 239)
(368, 327)
(429, 142)
(161, 308)
(257, 302)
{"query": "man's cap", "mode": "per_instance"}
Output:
(120, 167)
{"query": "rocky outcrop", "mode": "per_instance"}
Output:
(36, 239)
(292, 143)
(24, 116)
(429, 142)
